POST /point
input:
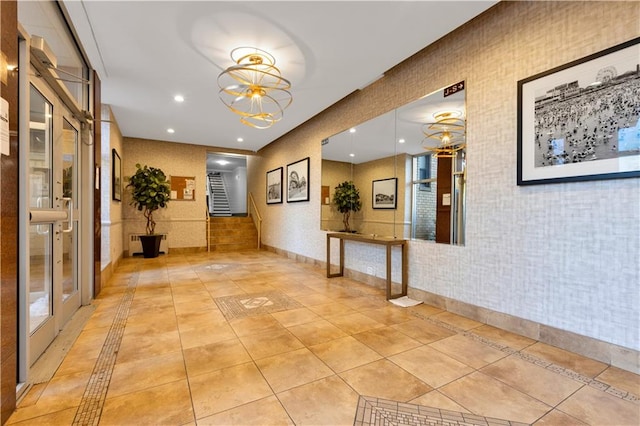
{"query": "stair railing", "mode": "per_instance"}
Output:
(257, 219)
(208, 220)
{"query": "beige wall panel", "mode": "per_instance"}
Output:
(564, 255)
(184, 222)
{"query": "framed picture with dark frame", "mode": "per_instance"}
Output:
(580, 121)
(298, 181)
(274, 186)
(385, 193)
(116, 176)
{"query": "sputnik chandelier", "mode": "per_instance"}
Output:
(254, 88)
(446, 135)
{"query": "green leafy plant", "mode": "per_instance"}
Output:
(347, 200)
(150, 191)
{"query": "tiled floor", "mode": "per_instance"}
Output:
(297, 348)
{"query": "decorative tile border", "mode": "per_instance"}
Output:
(377, 411)
(596, 384)
(246, 305)
(95, 393)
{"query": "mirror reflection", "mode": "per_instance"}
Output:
(401, 174)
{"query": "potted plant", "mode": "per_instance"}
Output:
(347, 200)
(150, 191)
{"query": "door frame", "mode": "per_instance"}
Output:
(85, 187)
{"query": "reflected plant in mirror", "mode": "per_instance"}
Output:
(347, 199)
(423, 145)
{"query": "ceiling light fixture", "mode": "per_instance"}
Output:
(178, 98)
(170, 130)
(446, 136)
(254, 88)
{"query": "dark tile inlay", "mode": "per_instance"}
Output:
(95, 393)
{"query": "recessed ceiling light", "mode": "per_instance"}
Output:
(170, 131)
(178, 98)
(400, 140)
(240, 140)
(352, 155)
(222, 162)
(352, 130)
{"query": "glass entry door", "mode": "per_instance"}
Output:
(53, 293)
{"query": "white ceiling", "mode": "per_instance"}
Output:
(398, 131)
(146, 52)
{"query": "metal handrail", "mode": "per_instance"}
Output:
(257, 219)
(208, 230)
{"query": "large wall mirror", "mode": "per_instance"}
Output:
(408, 167)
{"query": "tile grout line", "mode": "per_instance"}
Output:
(593, 383)
(92, 402)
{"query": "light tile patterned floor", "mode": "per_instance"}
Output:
(255, 338)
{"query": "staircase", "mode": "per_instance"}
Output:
(232, 234)
(219, 201)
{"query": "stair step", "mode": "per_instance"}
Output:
(234, 247)
(235, 233)
(233, 239)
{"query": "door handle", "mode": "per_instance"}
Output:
(41, 229)
(69, 214)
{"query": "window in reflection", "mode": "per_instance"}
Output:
(423, 221)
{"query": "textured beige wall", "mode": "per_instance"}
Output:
(184, 222)
(543, 253)
(111, 210)
(116, 229)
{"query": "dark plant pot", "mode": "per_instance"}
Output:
(150, 245)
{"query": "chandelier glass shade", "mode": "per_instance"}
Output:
(446, 135)
(254, 88)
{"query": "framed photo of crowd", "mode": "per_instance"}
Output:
(580, 121)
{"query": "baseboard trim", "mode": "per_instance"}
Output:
(609, 353)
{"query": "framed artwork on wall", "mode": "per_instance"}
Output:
(385, 193)
(274, 186)
(580, 121)
(116, 176)
(298, 181)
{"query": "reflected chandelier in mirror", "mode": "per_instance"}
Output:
(423, 145)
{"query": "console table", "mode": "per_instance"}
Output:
(388, 242)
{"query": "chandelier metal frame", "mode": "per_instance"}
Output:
(449, 132)
(254, 88)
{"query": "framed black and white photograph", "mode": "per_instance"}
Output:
(116, 176)
(385, 193)
(579, 121)
(298, 181)
(274, 186)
